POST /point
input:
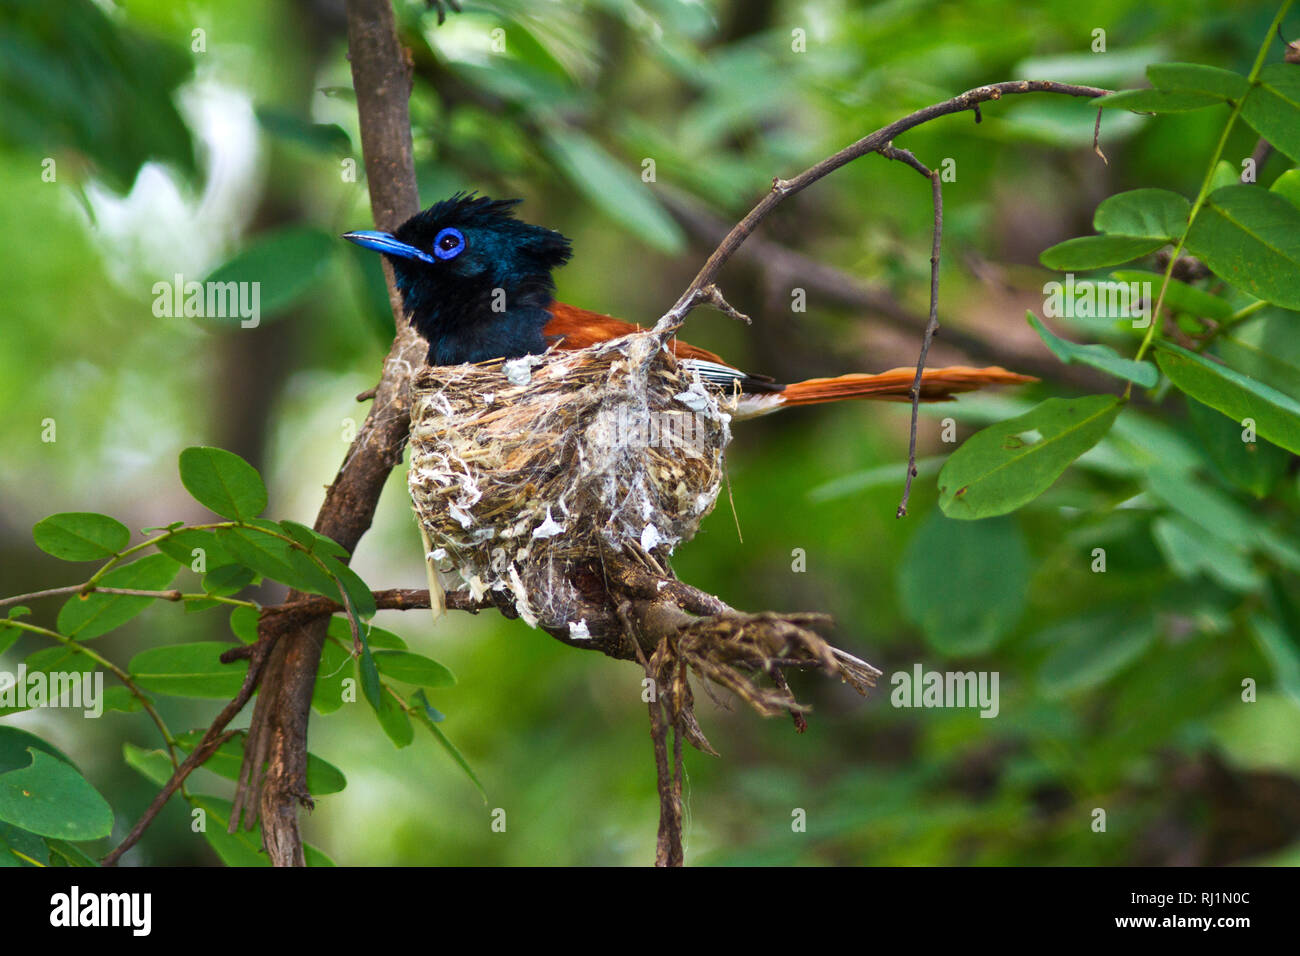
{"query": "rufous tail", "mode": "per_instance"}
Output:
(937, 385)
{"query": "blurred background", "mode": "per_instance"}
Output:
(145, 139)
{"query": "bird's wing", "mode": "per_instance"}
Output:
(575, 328)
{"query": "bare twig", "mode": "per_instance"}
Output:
(668, 843)
(871, 143)
(713, 295)
(932, 325)
(212, 739)
(170, 595)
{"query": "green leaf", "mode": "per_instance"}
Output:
(358, 592)
(613, 188)
(1225, 174)
(311, 577)
(1282, 653)
(15, 840)
(1149, 213)
(81, 536)
(376, 637)
(243, 624)
(50, 798)
(1266, 349)
(1156, 101)
(223, 482)
(189, 670)
(153, 765)
(1179, 296)
(1008, 464)
(431, 718)
(1251, 237)
(964, 583)
(1087, 651)
(122, 700)
(228, 579)
(328, 138)
(413, 669)
(1254, 466)
(1096, 252)
(241, 848)
(391, 715)
(1205, 506)
(1191, 552)
(327, 696)
(284, 264)
(1275, 414)
(89, 616)
(64, 667)
(1101, 357)
(274, 557)
(60, 658)
(15, 747)
(313, 540)
(182, 545)
(1273, 108)
(323, 777)
(70, 854)
(335, 668)
(1288, 186)
(1198, 78)
(268, 556)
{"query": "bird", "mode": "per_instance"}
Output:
(477, 285)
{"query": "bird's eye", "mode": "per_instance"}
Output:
(449, 243)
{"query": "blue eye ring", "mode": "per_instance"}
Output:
(449, 250)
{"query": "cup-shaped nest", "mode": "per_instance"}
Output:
(524, 471)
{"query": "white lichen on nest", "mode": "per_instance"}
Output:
(523, 471)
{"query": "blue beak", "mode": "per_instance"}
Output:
(389, 246)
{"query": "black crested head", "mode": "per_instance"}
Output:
(475, 280)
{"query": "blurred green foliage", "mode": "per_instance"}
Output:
(220, 139)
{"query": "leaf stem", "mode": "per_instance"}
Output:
(116, 671)
(1201, 196)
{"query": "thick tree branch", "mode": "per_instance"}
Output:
(277, 735)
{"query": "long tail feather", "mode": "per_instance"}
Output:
(937, 385)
